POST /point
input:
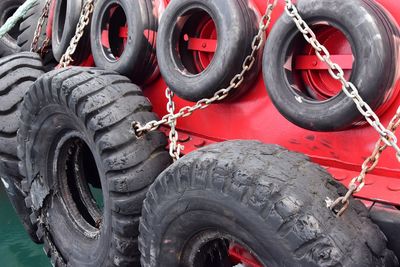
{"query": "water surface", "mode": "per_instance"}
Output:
(16, 249)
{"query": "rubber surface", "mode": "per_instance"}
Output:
(8, 44)
(271, 199)
(17, 73)
(98, 107)
(66, 17)
(138, 60)
(373, 57)
(236, 27)
(27, 30)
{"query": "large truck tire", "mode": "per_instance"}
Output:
(85, 174)
(373, 44)
(8, 44)
(234, 25)
(17, 73)
(266, 200)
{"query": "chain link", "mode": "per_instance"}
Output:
(139, 130)
(42, 19)
(84, 20)
(338, 74)
(387, 136)
(174, 148)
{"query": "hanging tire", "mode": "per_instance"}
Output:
(8, 44)
(299, 101)
(27, 29)
(244, 201)
(86, 175)
(66, 17)
(17, 73)
(123, 38)
(226, 28)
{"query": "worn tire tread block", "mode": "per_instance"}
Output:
(105, 103)
(283, 189)
(17, 73)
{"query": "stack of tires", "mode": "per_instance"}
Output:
(96, 195)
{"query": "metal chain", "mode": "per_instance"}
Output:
(387, 136)
(174, 148)
(357, 183)
(42, 19)
(139, 130)
(44, 47)
(84, 20)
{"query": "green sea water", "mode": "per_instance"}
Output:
(16, 249)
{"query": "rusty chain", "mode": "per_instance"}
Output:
(38, 31)
(387, 136)
(139, 130)
(84, 20)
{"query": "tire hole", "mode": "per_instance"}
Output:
(80, 184)
(114, 32)
(196, 38)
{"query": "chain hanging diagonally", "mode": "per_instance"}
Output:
(84, 20)
(387, 136)
(174, 147)
(139, 130)
(39, 28)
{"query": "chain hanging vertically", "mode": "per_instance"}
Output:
(38, 31)
(139, 130)
(174, 147)
(387, 136)
(84, 20)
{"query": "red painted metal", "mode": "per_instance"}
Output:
(253, 116)
(202, 45)
(313, 63)
(317, 81)
(239, 254)
(49, 26)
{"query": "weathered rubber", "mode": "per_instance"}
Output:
(237, 25)
(373, 44)
(276, 198)
(138, 61)
(27, 31)
(103, 105)
(8, 44)
(17, 73)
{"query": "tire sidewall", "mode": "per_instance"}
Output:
(232, 39)
(72, 14)
(133, 53)
(180, 220)
(68, 236)
(371, 57)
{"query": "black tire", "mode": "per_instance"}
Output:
(377, 54)
(17, 73)
(236, 24)
(27, 29)
(66, 17)
(137, 60)
(77, 120)
(270, 200)
(8, 44)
